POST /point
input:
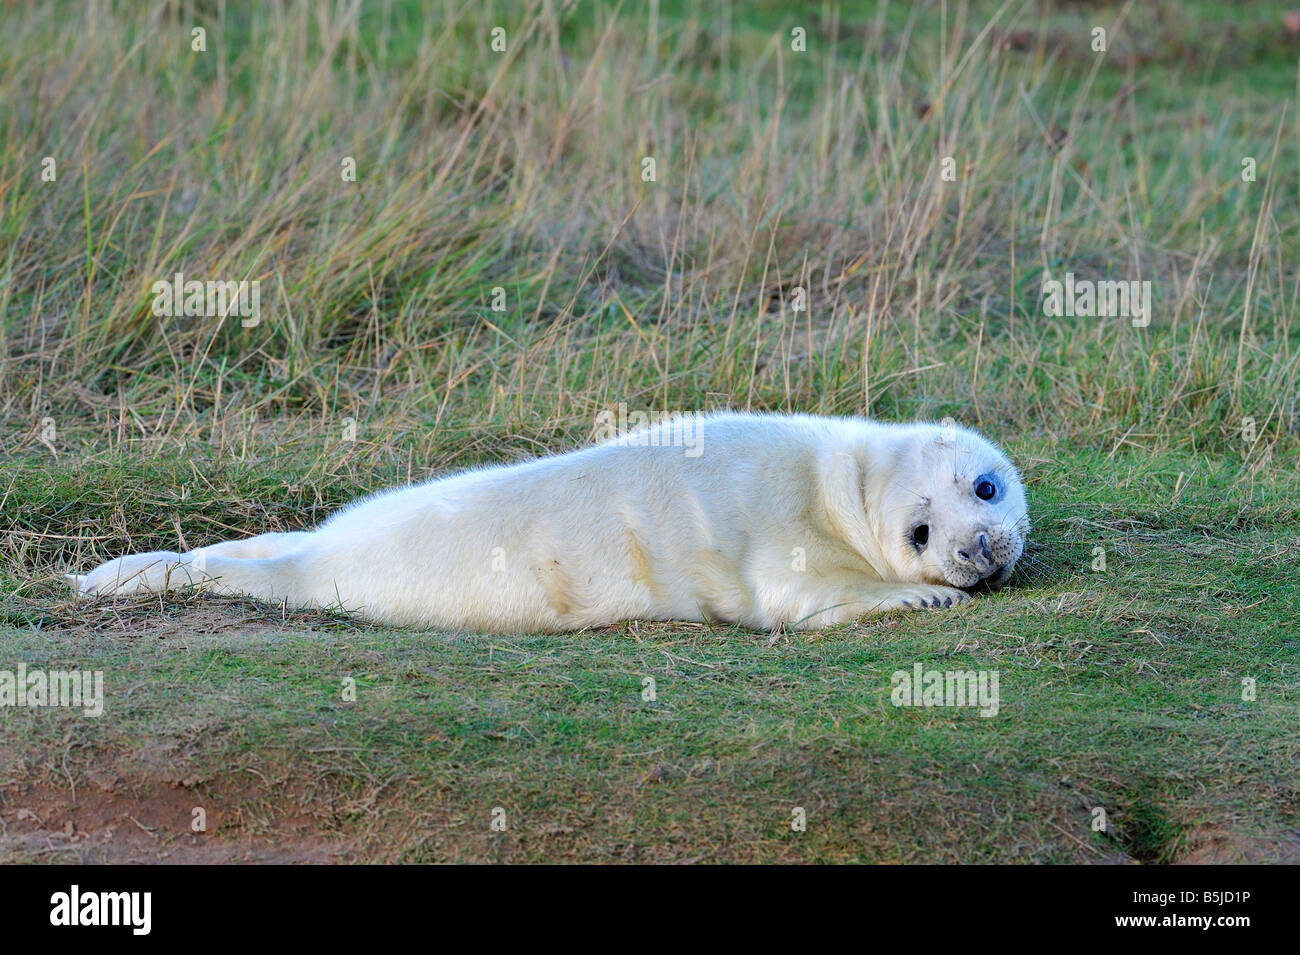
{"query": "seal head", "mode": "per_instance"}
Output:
(954, 510)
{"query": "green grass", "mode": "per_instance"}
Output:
(1121, 689)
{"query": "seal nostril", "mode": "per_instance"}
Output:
(978, 556)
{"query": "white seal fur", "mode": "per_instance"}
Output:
(761, 520)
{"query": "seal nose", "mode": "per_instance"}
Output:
(978, 555)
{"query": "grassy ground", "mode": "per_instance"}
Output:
(1121, 688)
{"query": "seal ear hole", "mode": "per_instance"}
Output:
(920, 536)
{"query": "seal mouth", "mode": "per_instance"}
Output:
(969, 579)
(984, 564)
(994, 580)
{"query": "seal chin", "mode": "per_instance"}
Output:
(964, 579)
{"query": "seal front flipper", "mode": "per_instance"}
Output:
(831, 608)
(916, 596)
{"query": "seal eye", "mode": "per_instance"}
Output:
(985, 489)
(920, 536)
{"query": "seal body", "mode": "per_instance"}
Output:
(758, 519)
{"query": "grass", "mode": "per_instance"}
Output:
(1121, 689)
